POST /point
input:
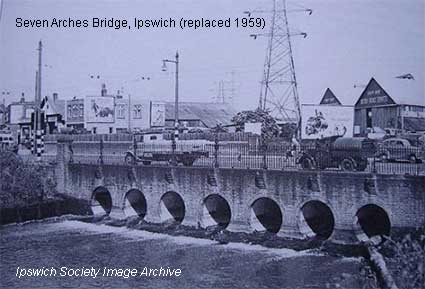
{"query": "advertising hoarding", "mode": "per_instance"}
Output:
(254, 128)
(157, 114)
(318, 121)
(99, 109)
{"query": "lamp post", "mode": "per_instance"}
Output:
(176, 107)
(176, 99)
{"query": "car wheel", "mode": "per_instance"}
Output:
(348, 165)
(413, 159)
(129, 159)
(307, 163)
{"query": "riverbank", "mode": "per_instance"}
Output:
(55, 206)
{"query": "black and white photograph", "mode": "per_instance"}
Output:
(212, 144)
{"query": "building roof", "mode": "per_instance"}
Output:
(210, 114)
(397, 91)
(56, 106)
(405, 90)
(329, 98)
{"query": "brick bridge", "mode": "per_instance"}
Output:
(335, 205)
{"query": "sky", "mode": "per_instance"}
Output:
(348, 42)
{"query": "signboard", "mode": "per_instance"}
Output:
(254, 127)
(318, 121)
(99, 109)
(157, 114)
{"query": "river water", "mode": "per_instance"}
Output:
(203, 263)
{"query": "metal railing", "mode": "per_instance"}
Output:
(244, 155)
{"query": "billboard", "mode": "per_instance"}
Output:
(254, 128)
(318, 121)
(99, 109)
(157, 114)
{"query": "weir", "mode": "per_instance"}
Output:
(338, 206)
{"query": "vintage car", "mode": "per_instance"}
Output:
(345, 153)
(399, 149)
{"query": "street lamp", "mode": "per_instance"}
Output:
(176, 100)
(176, 107)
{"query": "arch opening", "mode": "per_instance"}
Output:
(172, 208)
(101, 201)
(316, 220)
(216, 212)
(135, 204)
(373, 221)
(266, 215)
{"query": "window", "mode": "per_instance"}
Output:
(81, 110)
(121, 111)
(94, 130)
(111, 130)
(137, 111)
(153, 137)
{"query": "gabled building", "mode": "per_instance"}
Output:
(329, 98)
(54, 111)
(397, 105)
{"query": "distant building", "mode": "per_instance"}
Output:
(2, 115)
(329, 98)
(54, 111)
(19, 118)
(111, 113)
(386, 107)
(199, 114)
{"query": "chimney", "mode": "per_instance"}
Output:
(22, 97)
(55, 96)
(103, 91)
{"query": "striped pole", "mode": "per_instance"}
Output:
(38, 144)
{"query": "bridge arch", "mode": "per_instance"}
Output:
(265, 215)
(134, 204)
(101, 201)
(216, 211)
(371, 220)
(316, 219)
(172, 208)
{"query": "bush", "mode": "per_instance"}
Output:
(408, 255)
(22, 183)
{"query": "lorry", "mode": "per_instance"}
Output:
(152, 147)
(345, 153)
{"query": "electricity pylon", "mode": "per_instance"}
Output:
(279, 91)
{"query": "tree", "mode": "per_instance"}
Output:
(269, 127)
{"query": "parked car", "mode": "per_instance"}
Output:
(399, 149)
(346, 153)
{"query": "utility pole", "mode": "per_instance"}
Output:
(37, 135)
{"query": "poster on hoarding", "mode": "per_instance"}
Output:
(99, 108)
(157, 114)
(318, 121)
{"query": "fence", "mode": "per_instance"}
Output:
(97, 149)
